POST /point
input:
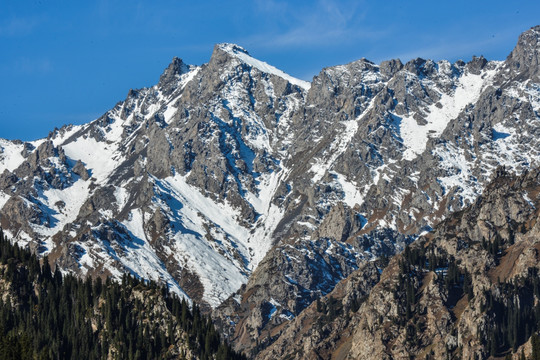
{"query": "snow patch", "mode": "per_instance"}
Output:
(62, 136)
(337, 148)
(141, 258)
(99, 157)
(122, 196)
(454, 161)
(352, 195)
(10, 155)
(171, 109)
(449, 106)
(63, 206)
(528, 200)
(243, 55)
(209, 232)
(3, 199)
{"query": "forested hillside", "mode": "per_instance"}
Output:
(47, 315)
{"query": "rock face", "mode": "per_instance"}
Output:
(420, 141)
(235, 183)
(323, 330)
(451, 293)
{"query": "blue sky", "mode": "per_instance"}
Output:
(65, 62)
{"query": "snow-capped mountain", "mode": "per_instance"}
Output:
(234, 173)
(174, 184)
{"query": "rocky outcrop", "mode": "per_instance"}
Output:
(290, 278)
(490, 243)
(524, 60)
(446, 295)
(340, 224)
(323, 330)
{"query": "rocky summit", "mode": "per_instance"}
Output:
(255, 193)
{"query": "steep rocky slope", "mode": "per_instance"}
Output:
(174, 184)
(467, 290)
(233, 175)
(432, 136)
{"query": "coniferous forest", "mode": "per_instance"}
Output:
(511, 305)
(47, 315)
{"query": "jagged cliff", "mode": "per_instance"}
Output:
(467, 290)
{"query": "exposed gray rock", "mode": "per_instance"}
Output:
(524, 60)
(80, 170)
(223, 174)
(365, 316)
(340, 224)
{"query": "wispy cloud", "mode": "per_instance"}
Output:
(33, 66)
(321, 23)
(18, 26)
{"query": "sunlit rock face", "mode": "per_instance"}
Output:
(237, 184)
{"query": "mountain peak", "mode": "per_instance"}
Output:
(241, 54)
(525, 58)
(231, 48)
(171, 75)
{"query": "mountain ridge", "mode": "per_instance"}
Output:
(219, 168)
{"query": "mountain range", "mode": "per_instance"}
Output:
(255, 193)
